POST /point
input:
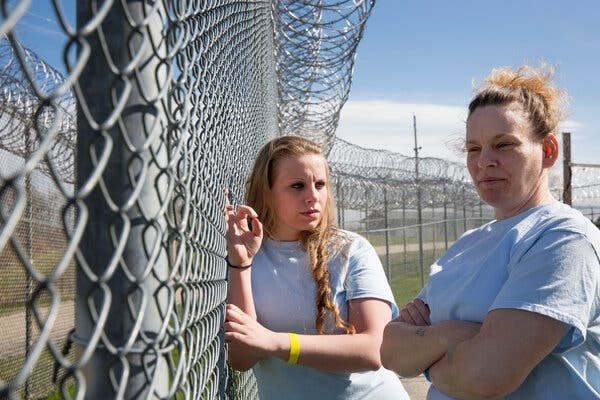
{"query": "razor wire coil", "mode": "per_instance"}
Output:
(113, 177)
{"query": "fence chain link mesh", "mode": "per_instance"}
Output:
(113, 172)
(112, 188)
(113, 180)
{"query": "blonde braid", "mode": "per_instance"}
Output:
(317, 242)
(317, 245)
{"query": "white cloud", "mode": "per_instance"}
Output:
(389, 125)
(578, 131)
(440, 129)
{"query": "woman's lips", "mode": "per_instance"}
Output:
(489, 181)
(310, 213)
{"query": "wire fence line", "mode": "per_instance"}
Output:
(126, 159)
(112, 180)
(381, 195)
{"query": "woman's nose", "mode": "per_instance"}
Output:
(487, 158)
(311, 194)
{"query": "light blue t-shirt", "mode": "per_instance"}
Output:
(544, 260)
(284, 293)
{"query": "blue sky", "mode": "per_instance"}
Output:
(421, 57)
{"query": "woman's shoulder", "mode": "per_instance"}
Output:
(349, 239)
(559, 221)
(350, 244)
(560, 216)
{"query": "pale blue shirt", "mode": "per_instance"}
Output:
(544, 260)
(284, 293)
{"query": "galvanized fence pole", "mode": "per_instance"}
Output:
(340, 206)
(404, 231)
(367, 212)
(567, 192)
(433, 226)
(454, 226)
(464, 209)
(123, 299)
(388, 260)
(343, 209)
(445, 218)
(420, 230)
(29, 335)
(480, 213)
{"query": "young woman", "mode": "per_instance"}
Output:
(512, 310)
(308, 302)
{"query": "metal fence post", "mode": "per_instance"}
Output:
(338, 186)
(367, 212)
(567, 188)
(404, 230)
(433, 226)
(342, 212)
(29, 245)
(420, 229)
(445, 218)
(387, 235)
(123, 299)
(480, 213)
(464, 208)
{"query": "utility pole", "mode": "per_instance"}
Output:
(418, 185)
(567, 188)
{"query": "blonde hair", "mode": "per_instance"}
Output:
(532, 88)
(317, 242)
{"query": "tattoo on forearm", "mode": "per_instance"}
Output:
(420, 331)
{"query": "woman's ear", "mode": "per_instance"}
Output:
(551, 150)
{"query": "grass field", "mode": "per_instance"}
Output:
(406, 277)
(41, 385)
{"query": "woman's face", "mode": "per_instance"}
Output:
(506, 162)
(299, 195)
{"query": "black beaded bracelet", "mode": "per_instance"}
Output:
(230, 265)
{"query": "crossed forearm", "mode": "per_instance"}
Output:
(409, 350)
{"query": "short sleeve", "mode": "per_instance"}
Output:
(366, 277)
(556, 276)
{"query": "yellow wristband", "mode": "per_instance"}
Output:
(294, 348)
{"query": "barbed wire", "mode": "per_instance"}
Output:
(201, 98)
(377, 167)
(367, 175)
(315, 47)
(31, 107)
(585, 185)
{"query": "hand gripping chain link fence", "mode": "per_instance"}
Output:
(112, 191)
(112, 180)
(163, 98)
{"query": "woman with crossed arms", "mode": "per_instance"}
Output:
(512, 309)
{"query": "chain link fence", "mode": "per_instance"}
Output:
(410, 217)
(114, 164)
(412, 209)
(112, 185)
(113, 169)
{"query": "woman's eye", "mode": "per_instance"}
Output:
(472, 149)
(298, 185)
(503, 145)
(320, 185)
